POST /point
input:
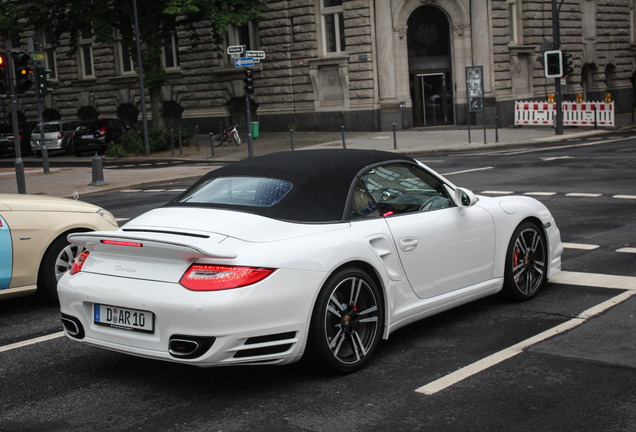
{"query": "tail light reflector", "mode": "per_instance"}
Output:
(121, 243)
(103, 131)
(60, 135)
(79, 263)
(203, 277)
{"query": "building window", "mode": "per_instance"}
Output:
(242, 35)
(512, 17)
(170, 58)
(50, 61)
(87, 65)
(333, 26)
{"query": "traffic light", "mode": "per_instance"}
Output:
(553, 64)
(248, 79)
(43, 81)
(4, 76)
(566, 61)
(23, 77)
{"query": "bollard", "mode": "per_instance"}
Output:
(291, 136)
(98, 171)
(171, 142)
(496, 129)
(394, 138)
(180, 145)
(196, 130)
(212, 142)
(344, 146)
(595, 118)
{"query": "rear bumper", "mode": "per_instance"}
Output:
(265, 323)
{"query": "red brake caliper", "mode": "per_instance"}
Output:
(515, 259)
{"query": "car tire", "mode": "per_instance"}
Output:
(57, 260)
(69, 147)
(347, 322)
(526, 262)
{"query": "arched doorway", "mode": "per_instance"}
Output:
(430, 72)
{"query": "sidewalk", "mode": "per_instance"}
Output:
(165, 168)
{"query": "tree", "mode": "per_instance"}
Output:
(158, 20)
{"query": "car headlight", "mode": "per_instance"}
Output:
(108, 216)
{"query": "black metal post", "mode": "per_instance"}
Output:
(483, 112)
(250, 145)
(19, 163)
(45, 151)
(394, 138)
(196, 130)
(291, 137)
(212, 142)
(496, 129)
(142, 91)
(171, 142)
(468, 122)
(344, 146)
(180, 145)
(595, 118)
(556, 36)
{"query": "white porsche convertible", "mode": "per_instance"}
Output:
(317, 253)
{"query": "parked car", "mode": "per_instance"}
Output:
(7, 139)
(33, 245)
(58, 135)
(95, 135)
(317, 253)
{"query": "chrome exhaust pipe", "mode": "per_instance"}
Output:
(189, 347)
(72, 326)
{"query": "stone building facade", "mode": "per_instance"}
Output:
(364, 64)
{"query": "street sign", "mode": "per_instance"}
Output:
(243, 62)
(38, 56)
(236, 49)
(256, 54)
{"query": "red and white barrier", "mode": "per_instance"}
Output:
(574, 114)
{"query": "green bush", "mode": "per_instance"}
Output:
(116, 150)
(158, 140)
(132, 142)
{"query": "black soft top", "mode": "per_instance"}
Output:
(321, 179)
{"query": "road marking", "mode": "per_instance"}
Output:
(573, 278)
(547, 159)
(31, 342)
(132, 190)
(589, 195)
(467, 171)
(177, 190)
(540, 193)
(625, 196)
(579, 246)
(154, 190)
(626, 250)
(498, 192)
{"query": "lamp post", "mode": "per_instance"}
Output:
(141, 82)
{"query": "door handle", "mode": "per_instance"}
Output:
(408, 243)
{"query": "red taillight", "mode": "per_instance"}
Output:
(13, 138)
(121, 243)
(202, 277)
(60, 135)
(79, 263)
(103, 131)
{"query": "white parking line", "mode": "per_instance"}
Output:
(625, 196)
(579, 246)
(154, 190)
(498, 192)
(626, 250)
(540, 193)
(467, 171)
(132, 190)
(589, 195)
(31, 341)
(573, 278)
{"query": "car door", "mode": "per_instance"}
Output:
(442, 247)
(6, 252)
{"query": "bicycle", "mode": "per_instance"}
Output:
(226, 134)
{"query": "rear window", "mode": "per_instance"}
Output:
(48, 128)
(242, 191)
(88, 126)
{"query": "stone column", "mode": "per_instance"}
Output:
(390, 111)
(481, 42)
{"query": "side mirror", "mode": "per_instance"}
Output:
(465, 198)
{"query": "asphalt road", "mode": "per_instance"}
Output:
(578, 380)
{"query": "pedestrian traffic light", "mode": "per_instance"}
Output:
(553, 64)
(566, 61)
(4, 76)
(23, 74)
(248, 79)
(43, 81)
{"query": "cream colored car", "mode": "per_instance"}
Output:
(34, 252)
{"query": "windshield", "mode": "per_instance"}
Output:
(244, 191)
(48, 128)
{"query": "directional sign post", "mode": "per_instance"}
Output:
(236, 49)
(244, 62)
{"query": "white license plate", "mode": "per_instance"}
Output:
(86, 136)
(124, 318)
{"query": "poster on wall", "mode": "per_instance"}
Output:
(475, 88)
